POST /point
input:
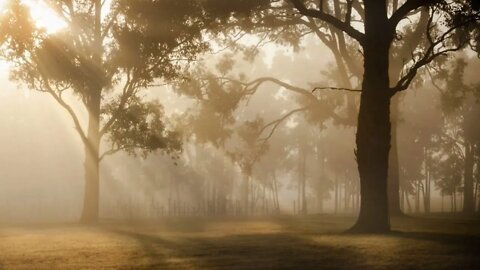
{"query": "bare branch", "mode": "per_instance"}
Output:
(405, 9)
(343, 26)
(336, 89)
(276, 123)
(110, 152)
(430, 54)
(68, 108)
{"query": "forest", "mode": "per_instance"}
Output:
(240, 134)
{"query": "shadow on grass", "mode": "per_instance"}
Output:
(469, 244)
(304, 245)
(264, 251)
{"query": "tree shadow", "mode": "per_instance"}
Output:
(466, 242)
(297, 247)
(255, 251)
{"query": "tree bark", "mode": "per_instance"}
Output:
(374, 128)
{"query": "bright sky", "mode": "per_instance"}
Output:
(42, 14)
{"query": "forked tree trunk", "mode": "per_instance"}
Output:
(374, 128)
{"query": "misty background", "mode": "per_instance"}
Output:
(41, 166)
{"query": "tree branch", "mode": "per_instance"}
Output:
(128, 91)
(343, 26)
(430, 54)
(336, 89)
(405, 9)
(276, 123)
(67, 107)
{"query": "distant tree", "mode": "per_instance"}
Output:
(461, 133)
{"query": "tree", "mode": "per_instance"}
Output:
(374, 128)
(462, 112)
(105, 60)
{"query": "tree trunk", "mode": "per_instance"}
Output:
(275, 193)
(468, 198)
(426, 195)
(303, 182)
(452, 209)
(407, 199)
(454, 201)
(91, 199)
(245, 191)
(336, 194)
(417, 196)
(373, 132)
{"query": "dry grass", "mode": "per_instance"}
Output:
(283, 243)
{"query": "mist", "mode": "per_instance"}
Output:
(251, 135)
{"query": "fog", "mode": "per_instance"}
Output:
(43, 157)
(204, 133)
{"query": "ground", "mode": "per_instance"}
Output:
(313, 242)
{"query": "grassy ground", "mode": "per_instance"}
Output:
(314, 242)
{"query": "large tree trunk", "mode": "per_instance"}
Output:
(373, 132)
(468, 198)
(92, 164)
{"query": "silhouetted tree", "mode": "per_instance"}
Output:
(374, 129)
(461, 134)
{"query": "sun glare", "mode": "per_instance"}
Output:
(44, 16)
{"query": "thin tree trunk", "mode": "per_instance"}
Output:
(303, 179)
(407, 199)
(336, 194)
(417, 196)
(454, 202)
(468, 198)
(277, 204)
(245, 192)
(426, 195)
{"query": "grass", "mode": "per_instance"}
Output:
(314, 242)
